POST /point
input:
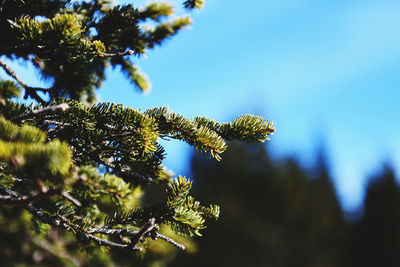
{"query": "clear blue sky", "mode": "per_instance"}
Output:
(323, 70)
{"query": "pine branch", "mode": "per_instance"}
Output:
(98, 155)
(123, 171)
(119, 54)
(102, 242)
(192, 4)
(105, 242)
(61, 222)
(177, 192)
(24, 200)
(42, 111)
(139, 237)
(45, 217)
(67, 196)
(29, 91)
(148, 230)
(124, 232)
(245, 128)
(171, 241)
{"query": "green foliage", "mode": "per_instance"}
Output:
(135, 76)
(155, 36)
(156, 11)
(24, 148)
(191, 4)
(78, 40)
(188, 215)
(8, 90)
(61, 36)
(185, 215)
(245, 128)
(208, 136)
(79, 172)
(26, 133)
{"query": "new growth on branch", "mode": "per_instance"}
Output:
(80, 166)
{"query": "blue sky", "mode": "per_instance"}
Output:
(323, 70)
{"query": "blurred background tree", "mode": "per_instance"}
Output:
(275, 213)
(375, 237)
(279, 213)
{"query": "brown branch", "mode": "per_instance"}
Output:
(67, 196)
(140, 179)
(120, 135)
(29, 91)
(57, 123)
(124, 232)
(42, 111)
(24, 200)
(119, 54)
(140, 236)
(169, 240)
(13, 24)
(148, 230)
(62, 222)
(105, 242)
(98, 240)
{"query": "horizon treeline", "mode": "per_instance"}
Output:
(279, 213)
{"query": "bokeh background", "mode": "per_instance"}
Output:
(326, 71)
(323, 191)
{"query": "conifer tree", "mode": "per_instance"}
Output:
(285, 213)
(73, 165)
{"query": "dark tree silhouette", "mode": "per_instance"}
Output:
(274, 213)
(376, 236)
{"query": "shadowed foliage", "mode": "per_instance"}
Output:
(278, 213)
